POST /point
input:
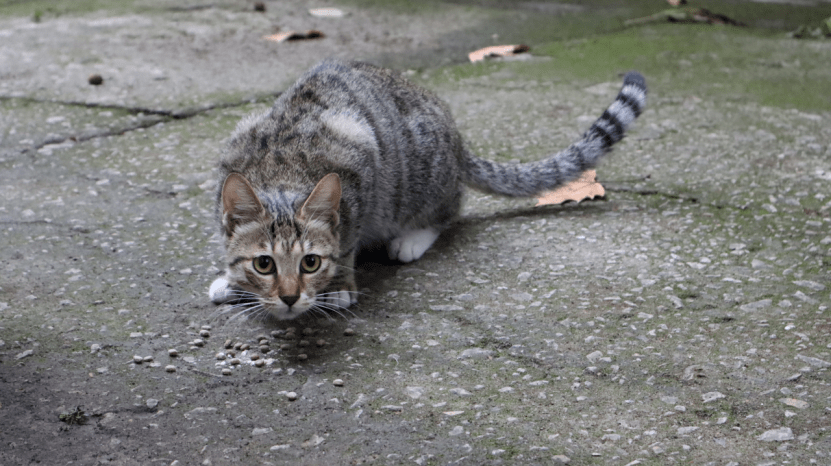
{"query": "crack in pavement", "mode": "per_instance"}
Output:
(161, 114)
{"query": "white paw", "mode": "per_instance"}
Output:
(220, 291)
(340, 299)
(412, 244)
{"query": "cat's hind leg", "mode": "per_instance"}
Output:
(412, 244)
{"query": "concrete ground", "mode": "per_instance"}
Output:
(683, 319)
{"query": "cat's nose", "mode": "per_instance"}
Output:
(290, 300)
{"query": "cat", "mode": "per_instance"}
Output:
(353, 155)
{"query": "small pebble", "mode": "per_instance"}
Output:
(170, 368)
(172, 352)
(229, 344)
(148, 359)
(285, 347)
(259, 362)
(289, 336)
(302, 357)
(235, 362)
(349, 332)
(95, 79)
(198, 342)
(291, 396)
(255, 357)
(261, 337)
(204, 333)
(265, 349)
(138, 359)
(237, 346)
(321, 342)
(245, 347)
(152, 403)
(220, 356)
(276, 333)
(337, 382)
(264, 342)
(226, 371)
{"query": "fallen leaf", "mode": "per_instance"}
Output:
(497, 51)
(585, 187)
(295, 35)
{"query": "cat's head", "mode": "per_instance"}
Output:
(284, 263)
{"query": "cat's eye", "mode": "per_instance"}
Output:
(264, 265)
(310, 263)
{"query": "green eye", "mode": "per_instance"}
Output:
(310, 263)
(264, 265)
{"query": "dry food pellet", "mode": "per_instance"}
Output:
(308, 331)
(265, 349)
(148, 359)
(259, 363)
(255, 357)
(285, 347)
(264, 342)
(291, 396)
(226, 371)
(261, 337)
(245, 347)
(220, 356)
(235, 362)
(229, 343)
(206, 327)
(170, 368)
(204, 333)
(338, 382)
(349, 332)
(302, 357)
(276, 333)
(138, 359)
(172, 352)
(303, 343)
(231, 353)
(198, 342)
(321, 342)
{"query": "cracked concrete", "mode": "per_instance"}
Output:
(683, 319)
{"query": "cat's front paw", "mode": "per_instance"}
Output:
(339, 299)
(412, 244)
(221, 291)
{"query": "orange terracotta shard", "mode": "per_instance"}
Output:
(497, 51)
(585, 187)
(295, 35)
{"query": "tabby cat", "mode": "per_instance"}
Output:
(353, 155)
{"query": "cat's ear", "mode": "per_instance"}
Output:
(240, 204)
(324, 201)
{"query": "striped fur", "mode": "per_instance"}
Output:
(400, 163)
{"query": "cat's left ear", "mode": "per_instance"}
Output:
(324, 201)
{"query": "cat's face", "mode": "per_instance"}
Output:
(280, 266)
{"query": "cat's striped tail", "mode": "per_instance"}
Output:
(529, 179)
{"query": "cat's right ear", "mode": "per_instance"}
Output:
(240, 204)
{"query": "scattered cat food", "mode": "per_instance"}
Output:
(497, 51)
(259, 7)
(303, 343)
(585, 187)
(226, 371)
(229, 343)
(291, 396)
(137, 359)
(349, 332)
(235, 361)
(338, 382)
(259, 362)
(289, 336)
(172, 352)
(255, 357)
(245, 347)
(264, 349)
(170, 368)
(308, 331)
(95, 79)
(321, 342)
(276, 333)
(291, 36)
(220, 356)
(147, 359)
(302, 357)
(204, 333)
(327, 13)
(285, 347)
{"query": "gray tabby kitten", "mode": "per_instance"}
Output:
(353, 155)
